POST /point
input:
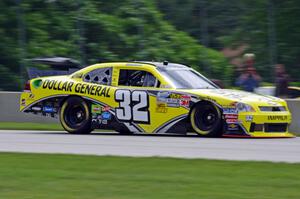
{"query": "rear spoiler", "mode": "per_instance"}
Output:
(60, 66)
(34, 72)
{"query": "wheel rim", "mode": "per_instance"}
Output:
(207, 118)
(75, 115)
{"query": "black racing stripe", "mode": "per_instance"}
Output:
(140, 129)
(152, 92)
(44, 98)
(170, 121)
(137, 128)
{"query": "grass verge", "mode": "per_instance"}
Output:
(90, 177)
(30, 126)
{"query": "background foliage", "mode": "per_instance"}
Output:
(270, 28)
(191, 32)
(110, 31)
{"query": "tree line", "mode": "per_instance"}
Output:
(191, 32)
(270, 28)
(94, 31)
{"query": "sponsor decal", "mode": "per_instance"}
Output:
(37, 83)
(231, 120)
(96, 108)
(23, 102)
(31, 96)
(57, 85)
(94, 116)
(172, 102)
(49, 109)
(100, 114)
(173, 99)
(163, 94)
(106, 108)
(277, 117)
(104, 121)
(175, 96)
(249, 118)
(185, 100)
(106, 115)
(233, 127)
(36, 108)
(269, 100)
(231, 116)
(92, 89)
(164, 98)
(94, 120)
(89, 89)
(230, 111)
(273, 103)
(48, 114)
(52, 115)
(99, 121)
(161, 108)
(231, 94)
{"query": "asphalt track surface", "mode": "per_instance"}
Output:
(190, 146)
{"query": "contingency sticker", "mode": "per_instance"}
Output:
(100, 114)
(173, 99)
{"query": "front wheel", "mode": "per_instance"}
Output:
(75, 116)
(206, 120)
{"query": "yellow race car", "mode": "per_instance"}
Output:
(153, 97)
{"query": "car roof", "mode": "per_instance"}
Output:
(163, 64)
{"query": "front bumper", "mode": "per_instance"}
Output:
(259, 124)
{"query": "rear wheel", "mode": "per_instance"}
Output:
(206, 119)
(75, 116)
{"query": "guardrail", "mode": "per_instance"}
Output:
(294, 106)
(9, 106)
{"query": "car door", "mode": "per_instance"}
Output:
(140, 101)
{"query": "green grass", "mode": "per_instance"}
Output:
(295, 84)
(30, 126)
(90, 177)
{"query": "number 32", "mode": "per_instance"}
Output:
(133, 106)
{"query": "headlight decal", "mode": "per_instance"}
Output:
(242, 107)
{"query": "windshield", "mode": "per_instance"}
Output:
(186, 78)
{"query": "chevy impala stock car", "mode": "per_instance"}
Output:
(153, 97)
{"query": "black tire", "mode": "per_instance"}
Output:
(206, 120)
(75, 116)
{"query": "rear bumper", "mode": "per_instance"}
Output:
(26, 98)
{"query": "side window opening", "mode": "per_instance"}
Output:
(88, 78)
(137, 78)
(150, 81)
(99, 76)
(96, 79)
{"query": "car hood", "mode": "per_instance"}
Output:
(228, 96)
